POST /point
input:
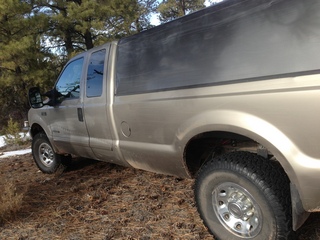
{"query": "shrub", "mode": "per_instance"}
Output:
(12, 133)
(10, 201)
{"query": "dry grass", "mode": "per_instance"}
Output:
(96, 200)
(10, 200)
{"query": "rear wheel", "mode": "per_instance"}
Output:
(43, 154)
(241, 195)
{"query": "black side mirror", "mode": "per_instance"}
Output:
(35, 98)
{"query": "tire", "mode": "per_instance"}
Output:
(241, 195)
(43, 154)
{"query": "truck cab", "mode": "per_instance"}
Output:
(69, 113)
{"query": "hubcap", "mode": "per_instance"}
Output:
(237, 210)
(46, 154)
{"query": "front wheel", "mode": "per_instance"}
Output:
(43, 154)
(241, 195)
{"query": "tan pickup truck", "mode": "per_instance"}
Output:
(228, 95)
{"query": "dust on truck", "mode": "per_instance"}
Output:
(228, 95)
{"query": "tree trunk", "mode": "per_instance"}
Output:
(88, 39)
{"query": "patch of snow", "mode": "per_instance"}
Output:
(24, 136)
(15, 153)
(2, 142)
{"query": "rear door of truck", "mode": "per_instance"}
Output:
(95, 102)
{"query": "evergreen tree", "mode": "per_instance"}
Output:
(78, 25)
(23, 63)
(37, 37)
(172, 9)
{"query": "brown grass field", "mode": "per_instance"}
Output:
(97, 200)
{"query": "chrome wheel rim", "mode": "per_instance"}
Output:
(46, 154)
(237, 210)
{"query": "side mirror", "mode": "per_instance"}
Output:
(35, 98)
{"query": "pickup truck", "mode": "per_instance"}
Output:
(227, 95)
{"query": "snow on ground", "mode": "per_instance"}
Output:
(2, 143)
(13, 153)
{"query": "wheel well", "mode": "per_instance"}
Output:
(206, 145)
(35, 129)
(201, 147)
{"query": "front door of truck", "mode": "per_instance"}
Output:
(95, 104)
(66, 117)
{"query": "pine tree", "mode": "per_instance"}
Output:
(37, 38)
(23, 63)
(172, 9)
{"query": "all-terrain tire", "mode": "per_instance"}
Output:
(241, 195)
(43, 154)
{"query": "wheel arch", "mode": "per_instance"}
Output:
(217, 142)
(35, 129)
(233, 125)
(258, 135)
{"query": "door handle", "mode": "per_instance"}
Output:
(80, 114)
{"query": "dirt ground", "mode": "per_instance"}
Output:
(97, 200)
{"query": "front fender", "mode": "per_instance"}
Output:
(36, 118)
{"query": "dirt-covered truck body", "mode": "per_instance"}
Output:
(228, 95)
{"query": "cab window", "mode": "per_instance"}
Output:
(68, 85)
(95, 74)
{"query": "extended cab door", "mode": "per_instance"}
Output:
(95, 103)
(66, 117)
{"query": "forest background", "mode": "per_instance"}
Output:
(37, 37)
